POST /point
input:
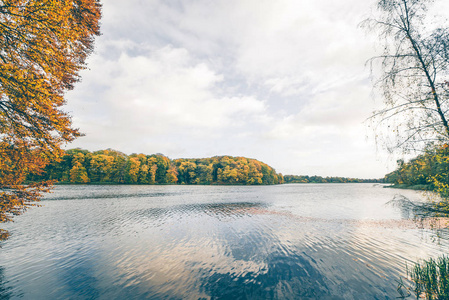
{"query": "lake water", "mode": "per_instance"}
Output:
(312, 241)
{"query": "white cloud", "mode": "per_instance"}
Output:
(160, 93)
(281, 81)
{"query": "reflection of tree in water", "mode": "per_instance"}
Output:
(5, 290)
(426, 215)
(428, 277)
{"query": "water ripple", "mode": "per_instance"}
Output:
(280, 242)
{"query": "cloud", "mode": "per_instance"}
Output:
(162, 92)
(341, 108)
(280, 81)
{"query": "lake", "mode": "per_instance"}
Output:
(295, 241)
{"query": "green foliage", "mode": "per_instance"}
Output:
(430, 170)
(226, 170)
(430, 278)
(109, 166)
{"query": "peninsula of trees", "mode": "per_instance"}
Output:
(114, 167)
(110, 166)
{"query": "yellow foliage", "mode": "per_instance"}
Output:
(43, 46)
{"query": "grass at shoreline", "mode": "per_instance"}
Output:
(430, 279)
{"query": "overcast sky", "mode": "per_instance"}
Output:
(280, 81)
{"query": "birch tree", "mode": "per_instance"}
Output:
(414, 75)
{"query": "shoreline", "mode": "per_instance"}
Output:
(223, 184)
(416, 187)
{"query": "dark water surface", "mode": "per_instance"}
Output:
(324, 241)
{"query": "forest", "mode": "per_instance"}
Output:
(319, 179)
(427, 171)
(114, 167)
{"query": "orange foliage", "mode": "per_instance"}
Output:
(43, 46)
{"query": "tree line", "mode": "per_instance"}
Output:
(319, 179)
(110, 166)
(114, 167)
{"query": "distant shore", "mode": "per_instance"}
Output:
(198, 184)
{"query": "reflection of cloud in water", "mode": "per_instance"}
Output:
(211, 245)
(5, 290)
(255, 253)
(252, 251)
(284, 278)
(232, 266)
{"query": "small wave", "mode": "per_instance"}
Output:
(115, 196)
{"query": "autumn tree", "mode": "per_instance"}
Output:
(118, 167)
(187, 172)
(205, 173)
(82, 166)
(255, 176)
(172, 175)
(133, 167)
(414, 74)
(143, 173)
(101, 167)
(163, 164)
(78, 173)
(43, 46)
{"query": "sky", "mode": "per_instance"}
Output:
(284, 82)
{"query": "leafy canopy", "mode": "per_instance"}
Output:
(43, 46)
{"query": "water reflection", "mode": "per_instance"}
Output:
(79, 280)
(423, 214)
(213, 243)
(5, 289)
(217, 210)
(284, 277)
(234, 264)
